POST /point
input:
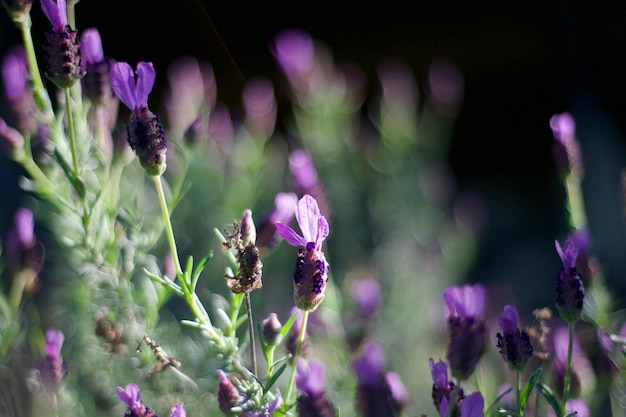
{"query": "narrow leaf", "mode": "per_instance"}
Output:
(550, 398)
(529, 387)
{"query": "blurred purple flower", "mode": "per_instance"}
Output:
(178, 411)
(513, 343)
(15, 73)
(227, 394)
(260, 107)
(303, 170)
(564, 130)
(294, 53)
(221, 127)
(471, 406)
(310, 377)
(563, 127)
(56, 12)
(569, 287)
(466, 328)
(53, 368)
(130, 395)
(91, 46)
(11, 140)
(366, 295)
(397, 390)
(96, 82)
(442, 386)
(284, 209)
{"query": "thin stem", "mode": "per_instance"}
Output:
(70, 130)
(518, 400)
(301, 336)
(39, 92)
(168, 225)
(568, 367)
(251, 334)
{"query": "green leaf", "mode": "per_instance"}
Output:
(505, 412)
(287, 326)
(528, 388)
(495, 402)
(273, 378)
(550, 398)
(196, 274)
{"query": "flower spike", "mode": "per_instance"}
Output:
(56, 12)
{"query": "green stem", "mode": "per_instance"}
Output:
(168, 226)
(578, 216)
(70, 130)
(292, 378)
(568, 368)
(251, 334)
(39, 92)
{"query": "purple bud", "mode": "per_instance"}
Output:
(53, 368)
(366, 295)
(563, 127)
(91, 46)
(370, 365)
(514, 344)
(15, 73)
(54, 343)
(227, 395)
(303, 169)
(293, 51)
(248, 229)
(508, 319)
(270, 330)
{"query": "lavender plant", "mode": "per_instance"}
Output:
(142, 284)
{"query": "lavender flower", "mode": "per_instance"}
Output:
(513, 343)
(564, 131)
(295, 55)
(22, 249)
(131, 396)
(366, 295)
(471, 406)
(146, 135)
(62, 47)
(442, 387)
(53, 369)
(310, 381)
(569, 287)
(311, 274)
(374, 394)
(466, 328)
(178, 411)
(227, 394)
(17, 90)
(96, 83)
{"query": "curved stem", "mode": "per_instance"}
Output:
(568, 367)
(292, 378)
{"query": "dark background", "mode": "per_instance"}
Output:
(522, 63)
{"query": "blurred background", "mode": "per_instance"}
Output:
(521, 63)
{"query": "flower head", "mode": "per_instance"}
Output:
(466, 328)
(569, 287)
(130, 395)
(91, 46)
(513, 343)
(133, 93)
(442, 386)
(53, 368)
(563, 127)
(311, 274)
(471, 406)
(56, 12)
(310, 377)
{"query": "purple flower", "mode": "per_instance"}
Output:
(366, 295)
(15, 73)
(56, 12)
(227, 394)
(397, 390)
(311, 274)
(439, 372)
(131, 396)
(178, 411)
(466, 328)
(471, 406)
(563, 127)
(313, 225)
(569, 287)
(513, 343)
(370, 365)
(134, 94)
(293, 51)
(302, 169)
(91, 46)
(53, 368)
(310, 377)
(270, 330)
(260, 106)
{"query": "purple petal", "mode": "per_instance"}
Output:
(178, 411)
(123, 83)
(322, 232)
(310, 378)
(130, 395)
(568, 252)
(472, 405)
(285, 204)
(439, 372)
(563, 127)
(307, 213)
(467, 301)
(56, 12)
(443, 408)
(91, 46)
(508, 319)
(294, 52)
(302, 168)
(54, 343)
(145, 81)
(290, 235)
(396, 388)
(369, 366)
(15, 73)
